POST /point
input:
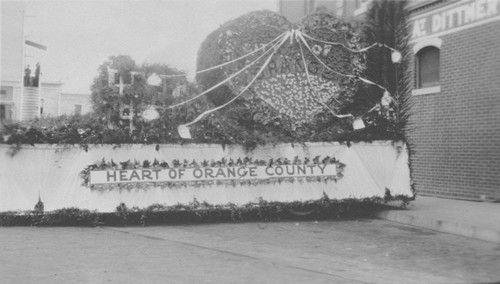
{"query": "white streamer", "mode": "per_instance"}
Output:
(300, 35)
(226, 80)
(241, 57)
(225, 63)
(312, 87)
(347, 48)
(284, 39)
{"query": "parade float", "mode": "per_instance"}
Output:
(281, 123)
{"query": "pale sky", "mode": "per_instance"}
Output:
(80, 35)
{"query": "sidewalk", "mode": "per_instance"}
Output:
(479, 220)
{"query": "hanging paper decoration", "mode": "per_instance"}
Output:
(184, 132)
(154, 80)
(396, 56)
(386, 100)
(358, 124)
(150, 114)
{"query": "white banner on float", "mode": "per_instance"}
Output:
(211, 173)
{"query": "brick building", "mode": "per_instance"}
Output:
(455, 127)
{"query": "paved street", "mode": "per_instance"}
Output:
(354, 251)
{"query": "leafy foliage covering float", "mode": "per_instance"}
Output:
(261, 116)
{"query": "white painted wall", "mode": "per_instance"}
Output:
(68, 102)
(53, 172)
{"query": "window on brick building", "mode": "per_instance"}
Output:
(427, 63)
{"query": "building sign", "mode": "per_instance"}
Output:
(238, 173)
(460, 15)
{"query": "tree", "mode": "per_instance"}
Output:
(387, 23)
(108, 97)
(120, 93)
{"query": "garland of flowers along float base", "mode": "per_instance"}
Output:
(246, 162)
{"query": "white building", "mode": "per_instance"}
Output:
(12, 49)
(70, 103)
(27, 97)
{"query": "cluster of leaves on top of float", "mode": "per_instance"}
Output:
(88, 129)
(281, 96)
(105, 125)
(264, 109)
(249, 121)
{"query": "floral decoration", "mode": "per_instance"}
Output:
(146, 164)
(283, 84)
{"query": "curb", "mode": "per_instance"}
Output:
(466, 230)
